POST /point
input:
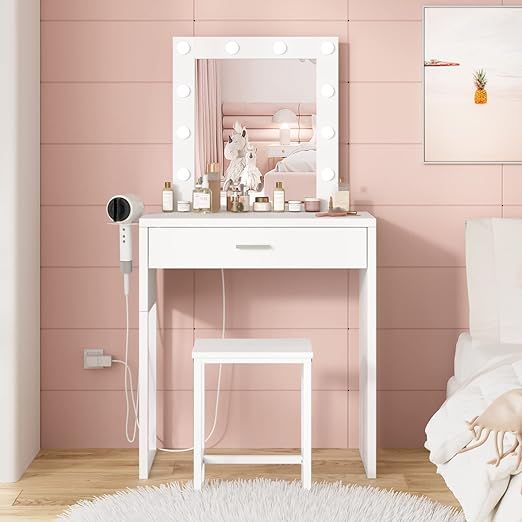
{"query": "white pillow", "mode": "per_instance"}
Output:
(494, 274)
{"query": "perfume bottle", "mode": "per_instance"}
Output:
(214, 180)
(202, 197)
(278, 198)
(167, 198)
(341, 198)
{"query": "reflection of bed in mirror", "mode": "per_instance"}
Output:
(294, 164)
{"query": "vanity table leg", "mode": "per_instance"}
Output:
(199, 423)
(147, 360)
(367, 359)
(306, 425)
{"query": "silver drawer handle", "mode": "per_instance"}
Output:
(254, 247)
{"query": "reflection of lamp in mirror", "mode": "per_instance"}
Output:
(284, 117)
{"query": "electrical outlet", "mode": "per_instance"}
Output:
(94, 358)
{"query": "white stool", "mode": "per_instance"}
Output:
(252, 351)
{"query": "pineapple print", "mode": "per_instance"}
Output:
(480, 80)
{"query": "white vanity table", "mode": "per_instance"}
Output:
(256, 241)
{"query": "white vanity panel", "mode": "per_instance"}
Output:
(257, 247)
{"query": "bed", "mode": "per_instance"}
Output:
(298, 170)
(488, 363)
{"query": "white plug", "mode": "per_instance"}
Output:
(94, 358)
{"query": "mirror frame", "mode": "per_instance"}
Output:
(186, 50)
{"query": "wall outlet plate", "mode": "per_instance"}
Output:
(90, 352)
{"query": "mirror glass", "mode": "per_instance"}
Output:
(256, 118)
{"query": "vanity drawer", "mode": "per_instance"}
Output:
(257, 247)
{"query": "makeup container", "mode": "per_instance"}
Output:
(341, 198)
(294, 205)
(167, 197)
(245, 201)
(183, 206)
(278, 198)
(312, 204)
(214, 180)
(233, 194)
(262, 204)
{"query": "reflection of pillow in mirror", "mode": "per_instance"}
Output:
(300, 161)
(312, 139)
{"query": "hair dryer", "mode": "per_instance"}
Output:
(125, 209)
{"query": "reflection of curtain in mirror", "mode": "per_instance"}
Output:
(209, 124)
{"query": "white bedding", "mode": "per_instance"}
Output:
(302, 159)
(471, 356)
(486, 493)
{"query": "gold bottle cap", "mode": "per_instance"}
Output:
(262, 199)
(213, 167)
(279, 184)
(167, 184)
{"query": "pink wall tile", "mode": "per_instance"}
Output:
(271, 9)
(403, 416)
(273, 299)
(83, 419)
(415, 359)
(403, 10)
(396, 175)
(329, 368)
(422, 298)
(91, 174)
(512, 186)
(93, 298)
(385, 113)
(116, 10)
(106, 113)
(344, 113)
(62, 359)
(109, 51)
(258, 419)
(408, 359)
(402, 239)
(353, 419)
(280, 28)
(512, 211)
(385, 51)
(64, 230)
(248, 419)
(86, 298)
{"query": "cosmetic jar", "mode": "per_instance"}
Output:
(262, 204)
(294, 206)
(245, 201)
(312, 204)
(183, 206)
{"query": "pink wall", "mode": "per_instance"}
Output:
(106, 72)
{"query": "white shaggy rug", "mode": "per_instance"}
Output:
(260, 500)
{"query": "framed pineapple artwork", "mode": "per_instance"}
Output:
(473, 84)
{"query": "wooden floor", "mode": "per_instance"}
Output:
(59, 478)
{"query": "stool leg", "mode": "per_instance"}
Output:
(199, 422)
(306, 425)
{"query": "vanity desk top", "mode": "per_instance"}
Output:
(255, 220)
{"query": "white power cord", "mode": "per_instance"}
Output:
(129, 388)
(218, 389)
(128, 373)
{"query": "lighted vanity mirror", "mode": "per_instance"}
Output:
(265, 109)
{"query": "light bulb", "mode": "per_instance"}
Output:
(183, 47)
